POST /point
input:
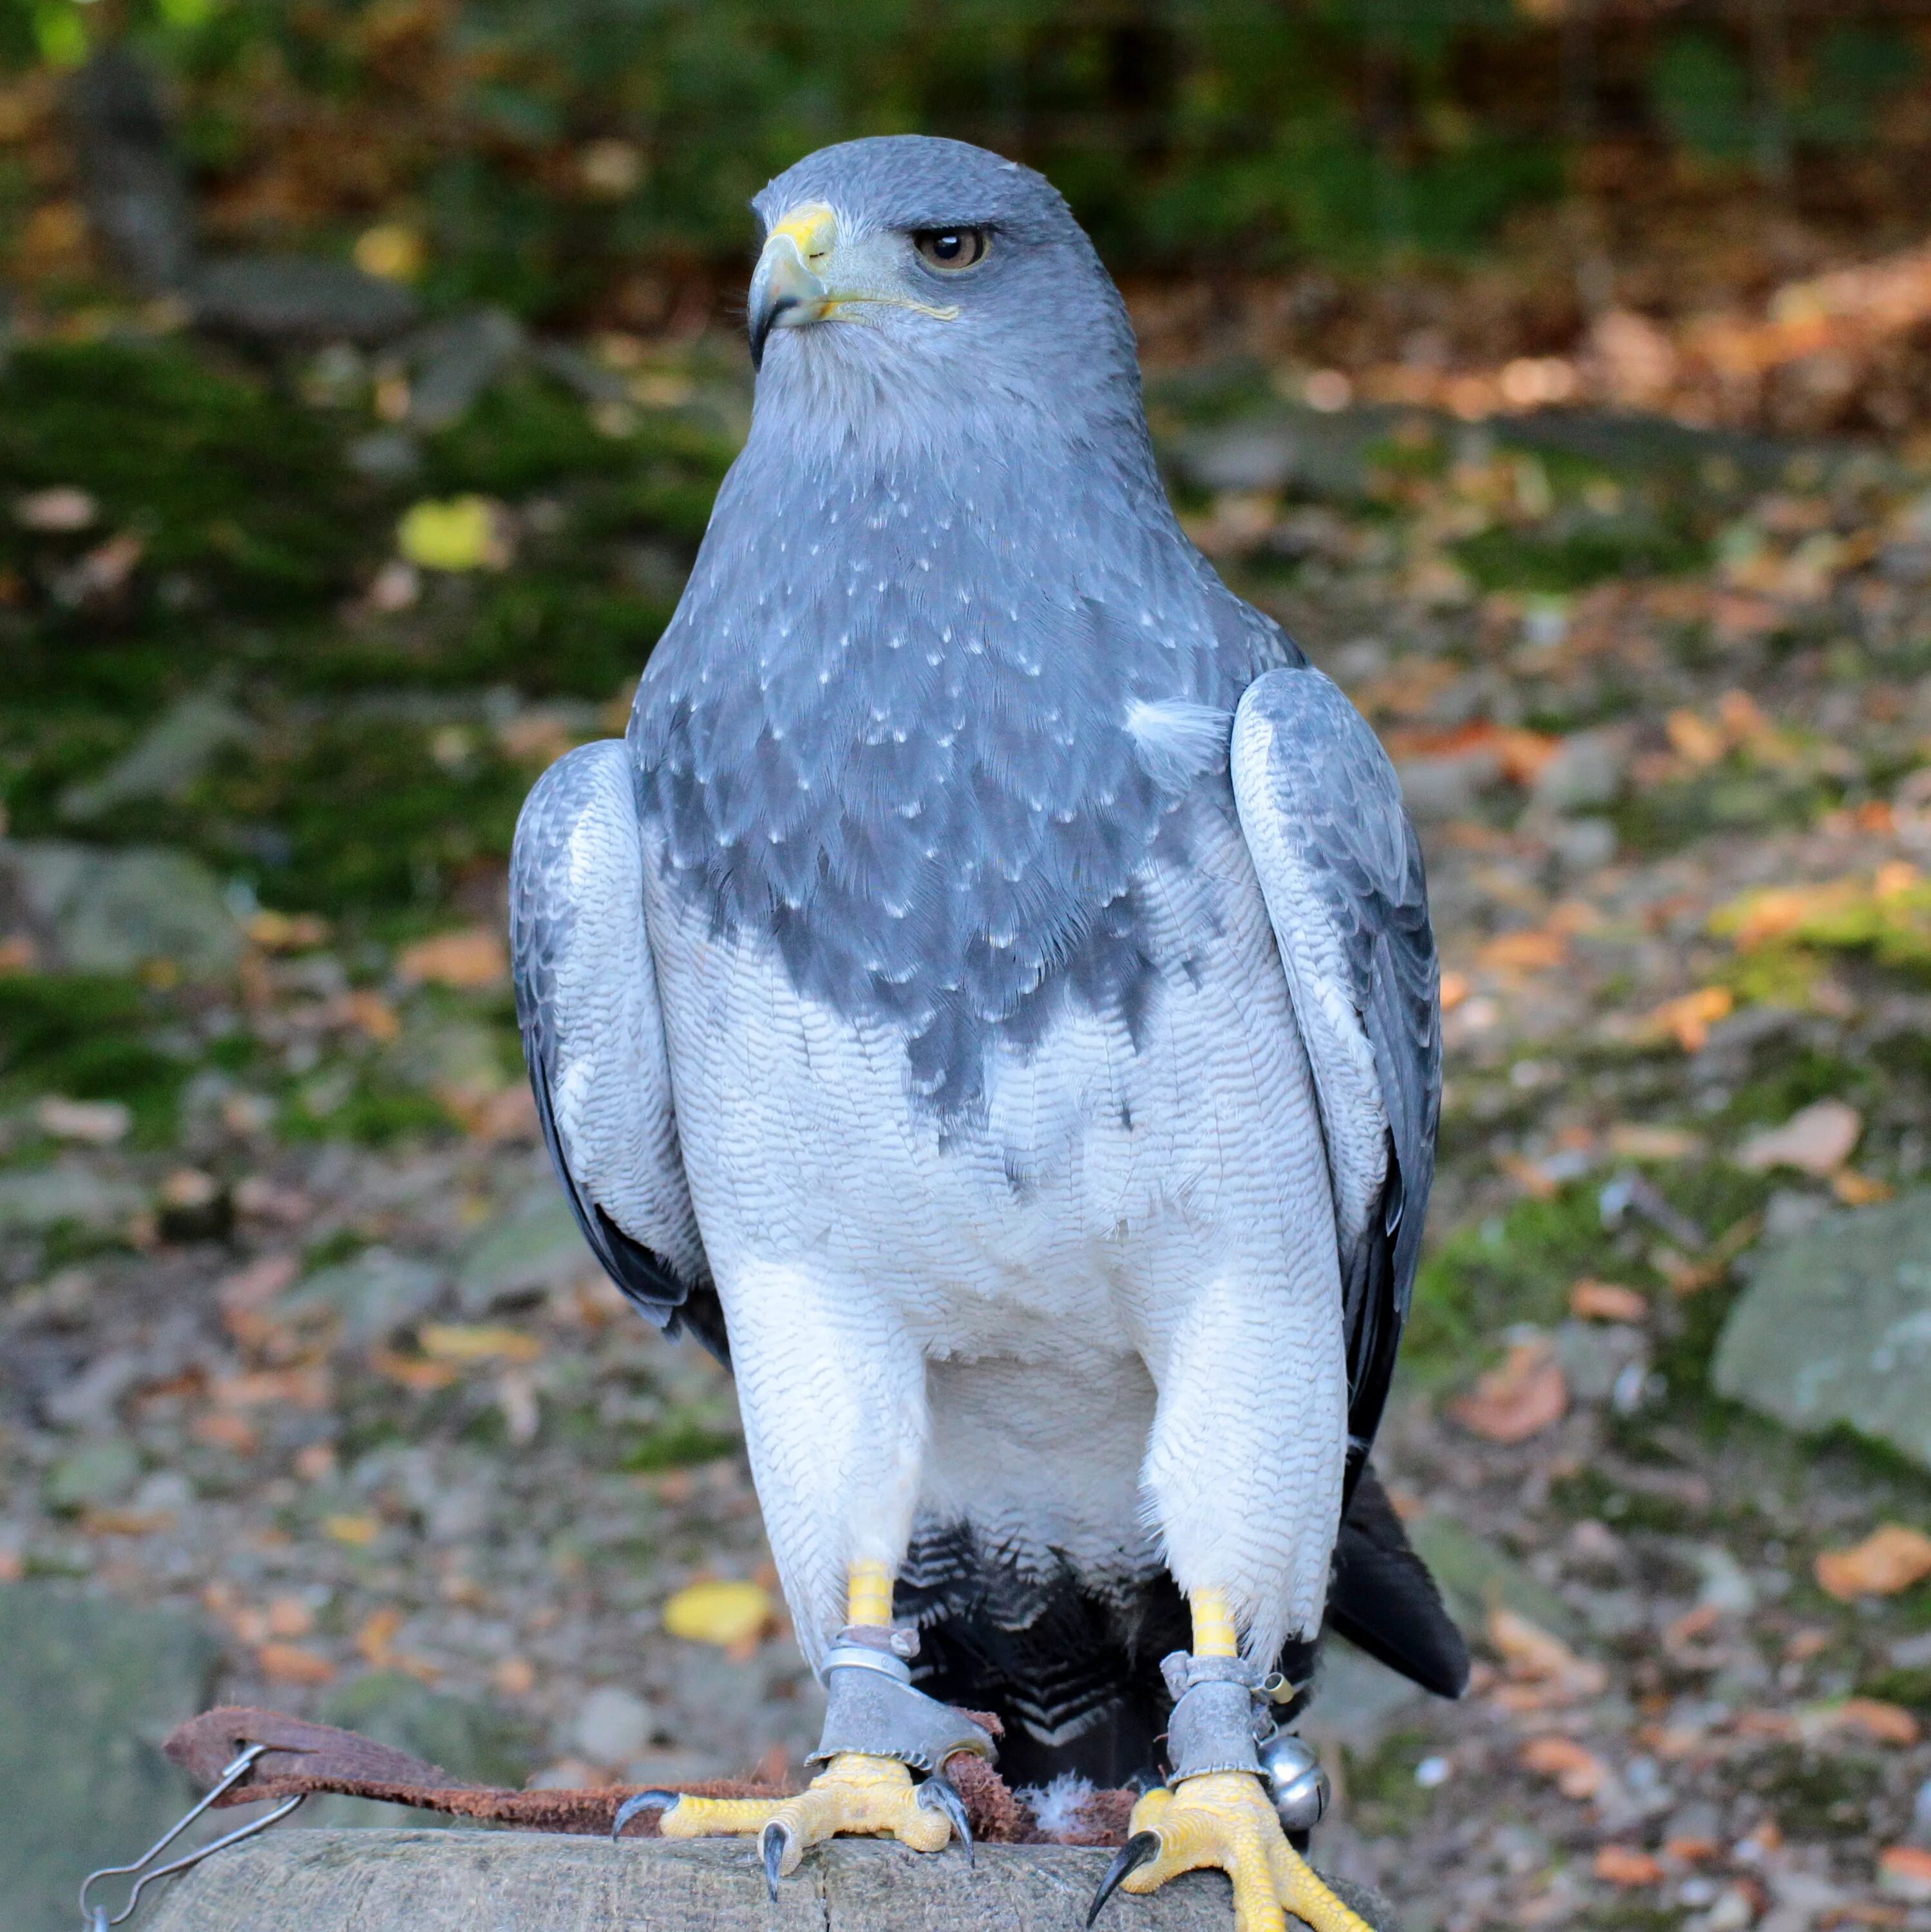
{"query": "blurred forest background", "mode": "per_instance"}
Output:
(1558, 370)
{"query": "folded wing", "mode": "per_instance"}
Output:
(593, 1036)
(1321, 809)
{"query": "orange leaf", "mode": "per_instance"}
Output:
(1607, 1301)
(1688, 1019)
(291, 1664)
(1537, 949)
(1906, 1869)
(1873, 1717)
(476, 956)
(1578, 1771)
(1889, 1559)
(1519, 1399)
(375, 1641)
(1623, 1864)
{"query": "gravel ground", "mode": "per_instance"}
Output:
(334, 1375)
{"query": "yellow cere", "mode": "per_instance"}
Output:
(813, 227)
(725, 1614)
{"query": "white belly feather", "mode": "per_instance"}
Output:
(1126, 1219)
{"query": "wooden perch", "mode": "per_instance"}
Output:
(292, 1880)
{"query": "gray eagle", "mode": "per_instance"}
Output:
(988, 997)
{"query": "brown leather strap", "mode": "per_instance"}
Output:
(303, 1757)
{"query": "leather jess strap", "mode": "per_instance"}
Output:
(300, 1758)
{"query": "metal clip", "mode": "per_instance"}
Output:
(94, 1917)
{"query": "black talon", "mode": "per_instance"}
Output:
(642, 1801)
(773, 1841)
(1141, 1849)
(938, 1793)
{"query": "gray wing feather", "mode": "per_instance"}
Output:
(593, 1034)
(1320, 807)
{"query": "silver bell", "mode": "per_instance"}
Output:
(1295, 1780)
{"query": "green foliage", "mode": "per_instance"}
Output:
(684, 1437)
(90, 1037)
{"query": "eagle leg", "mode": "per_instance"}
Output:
(859, 1792)
(1223, 1819)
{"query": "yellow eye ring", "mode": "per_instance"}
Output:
(951, 250)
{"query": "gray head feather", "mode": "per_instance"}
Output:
(887, 731)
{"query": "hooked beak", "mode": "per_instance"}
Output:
(787, 291)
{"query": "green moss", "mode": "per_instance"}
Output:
(683, 1438)
(1567, 556)
(1516, 1268)
(88, 1037)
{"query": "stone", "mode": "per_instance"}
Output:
(456, 361)
(90, 911)
(417, 1881)
(89, 1686)
(165, 761)
(1436, 788)
(131, 181)
(474, 1741)
(612, 1725)
(1357, 1702)
(102, 1471)
(376, 1292)
(535, 1247)
(298, 298)
(1323, 453)
(1585, 771)
(1476, 1578)
(36, 1199)
(1835, 1326)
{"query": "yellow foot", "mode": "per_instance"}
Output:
(852, 1795)
(1224, 1821)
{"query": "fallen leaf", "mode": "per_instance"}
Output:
(476, 956)
(98, 1123)
(455, 534)
(1816, 1140)
(514, 1676)
(1607, 1301)
(1624, 1865)
(1905, 1870)
(1536, 949)
(61, 508)
(1518, 1400)
(466, 1342)
(1859, 1190)
(371, 1014)
(1688, 1018)
(1695, 738)
(1873, 1718)
(1630, 1142)
(375, 1641)
(414, 1372)
(1454, 989)
(1692, 1851)
(289, 1616)
(223, 1429)
(357, 1531)
(726, 1614)
(1889, 1559)
(1578, 1771)
(292, 1664)
(287, 932)
(300, 1388)
(1532, 1655)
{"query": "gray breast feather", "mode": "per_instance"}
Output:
(1320, 808)
(593, 1033)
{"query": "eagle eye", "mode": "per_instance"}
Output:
(949, 249)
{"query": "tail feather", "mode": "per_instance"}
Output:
(1383, 1600)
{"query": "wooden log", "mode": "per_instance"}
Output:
(292, 1880)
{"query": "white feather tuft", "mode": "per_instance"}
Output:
(1177, 741)
(1059, 1808)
